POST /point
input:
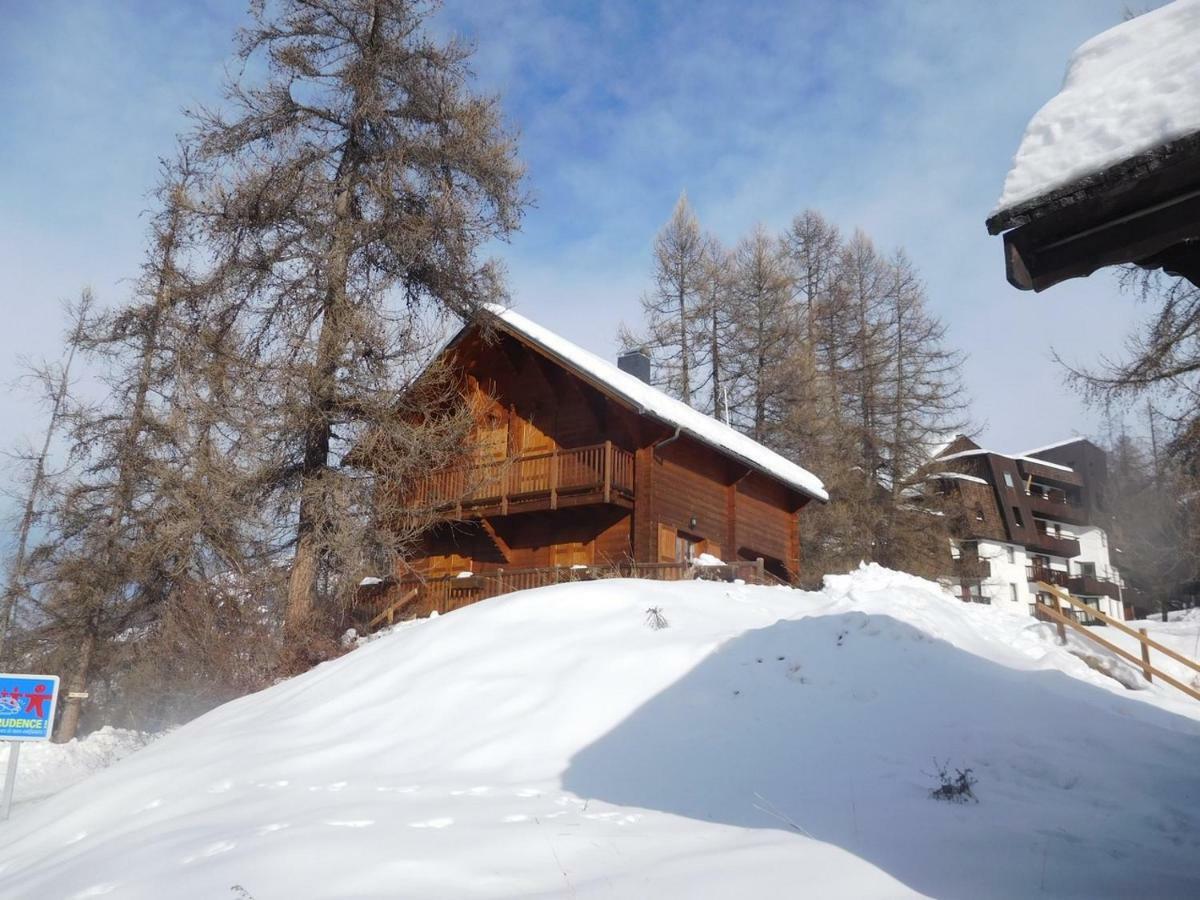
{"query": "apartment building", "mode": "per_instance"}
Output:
(1036, 516)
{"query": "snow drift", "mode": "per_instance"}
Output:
(768, 742)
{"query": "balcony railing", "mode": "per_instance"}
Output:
(1054, 503)
(1053, 544)
(1086, 585)
(1093, 586)
(1050, 576)
(600, 469)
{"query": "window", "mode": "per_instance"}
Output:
(1008, 481)
(1013, 589)
(978, 513)
(1017, 517)
(1011, 554)
(1087, 568)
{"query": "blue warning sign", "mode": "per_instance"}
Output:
(27, 706)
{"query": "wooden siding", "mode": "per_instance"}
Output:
(661, 491)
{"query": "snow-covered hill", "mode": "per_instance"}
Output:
(766, 743)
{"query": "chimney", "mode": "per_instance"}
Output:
(636, 363)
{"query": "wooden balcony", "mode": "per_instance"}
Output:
(1050, 576)
(1053, 503)
(601, 473)
(1093, 586)
(1085, 585)
(1046, 542)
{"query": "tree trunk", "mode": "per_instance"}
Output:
(302, 580)
(68, 725)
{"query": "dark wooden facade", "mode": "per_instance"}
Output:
(565, 475)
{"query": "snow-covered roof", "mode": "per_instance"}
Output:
(1036, 450)
(982, 451)
(1128, 90)
(956, 476)
(653, 402)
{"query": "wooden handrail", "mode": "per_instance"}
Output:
(1142, 664)
(1146, 643)
(1119, 625)
(390, 612)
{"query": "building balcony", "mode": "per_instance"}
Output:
(601, 473)
(1053, 503)
(1032, 468)
(1092, 586)
(1045, 541)
(1050, 576)
(1079, 585)
(969, 565)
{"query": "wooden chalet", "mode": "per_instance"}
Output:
(581, 469)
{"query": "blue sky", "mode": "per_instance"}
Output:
(897, 117)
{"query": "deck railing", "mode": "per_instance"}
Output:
(600, 468)
(1058, 610)
(446, 593)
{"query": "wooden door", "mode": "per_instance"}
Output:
(571, 553)
(666, 543)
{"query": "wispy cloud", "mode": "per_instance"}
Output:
(898, 117)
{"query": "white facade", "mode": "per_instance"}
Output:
(1009, 588)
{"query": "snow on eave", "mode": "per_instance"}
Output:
(1127, 91)
(1054, 446)
(962, 454)
(1042, 462)
(1019, 457)
(652, 402)
(957, 476)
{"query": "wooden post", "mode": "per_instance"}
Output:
(500, 580)
(1062, 629)
(758, 571)
(608, 467)
(554, 480)
(1146, 669)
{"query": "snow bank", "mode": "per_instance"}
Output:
(45, 768)
(1128, 90)
(549, 743)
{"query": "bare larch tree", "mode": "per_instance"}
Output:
(353, 188)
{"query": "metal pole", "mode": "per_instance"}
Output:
(10, 779)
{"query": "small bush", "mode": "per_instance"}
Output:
(953, 788)
(655, 618)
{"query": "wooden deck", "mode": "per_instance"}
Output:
(600, 473)
(411, 597)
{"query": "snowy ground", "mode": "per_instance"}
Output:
(46, 769)
(549, 743)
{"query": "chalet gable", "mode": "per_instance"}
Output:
(646, 400)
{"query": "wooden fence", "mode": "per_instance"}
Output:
(1055, 613)
(414, 595)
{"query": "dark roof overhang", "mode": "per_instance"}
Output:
(1144, 210)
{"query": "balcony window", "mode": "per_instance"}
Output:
(1016, 510)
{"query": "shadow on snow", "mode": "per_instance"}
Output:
(829, 725)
